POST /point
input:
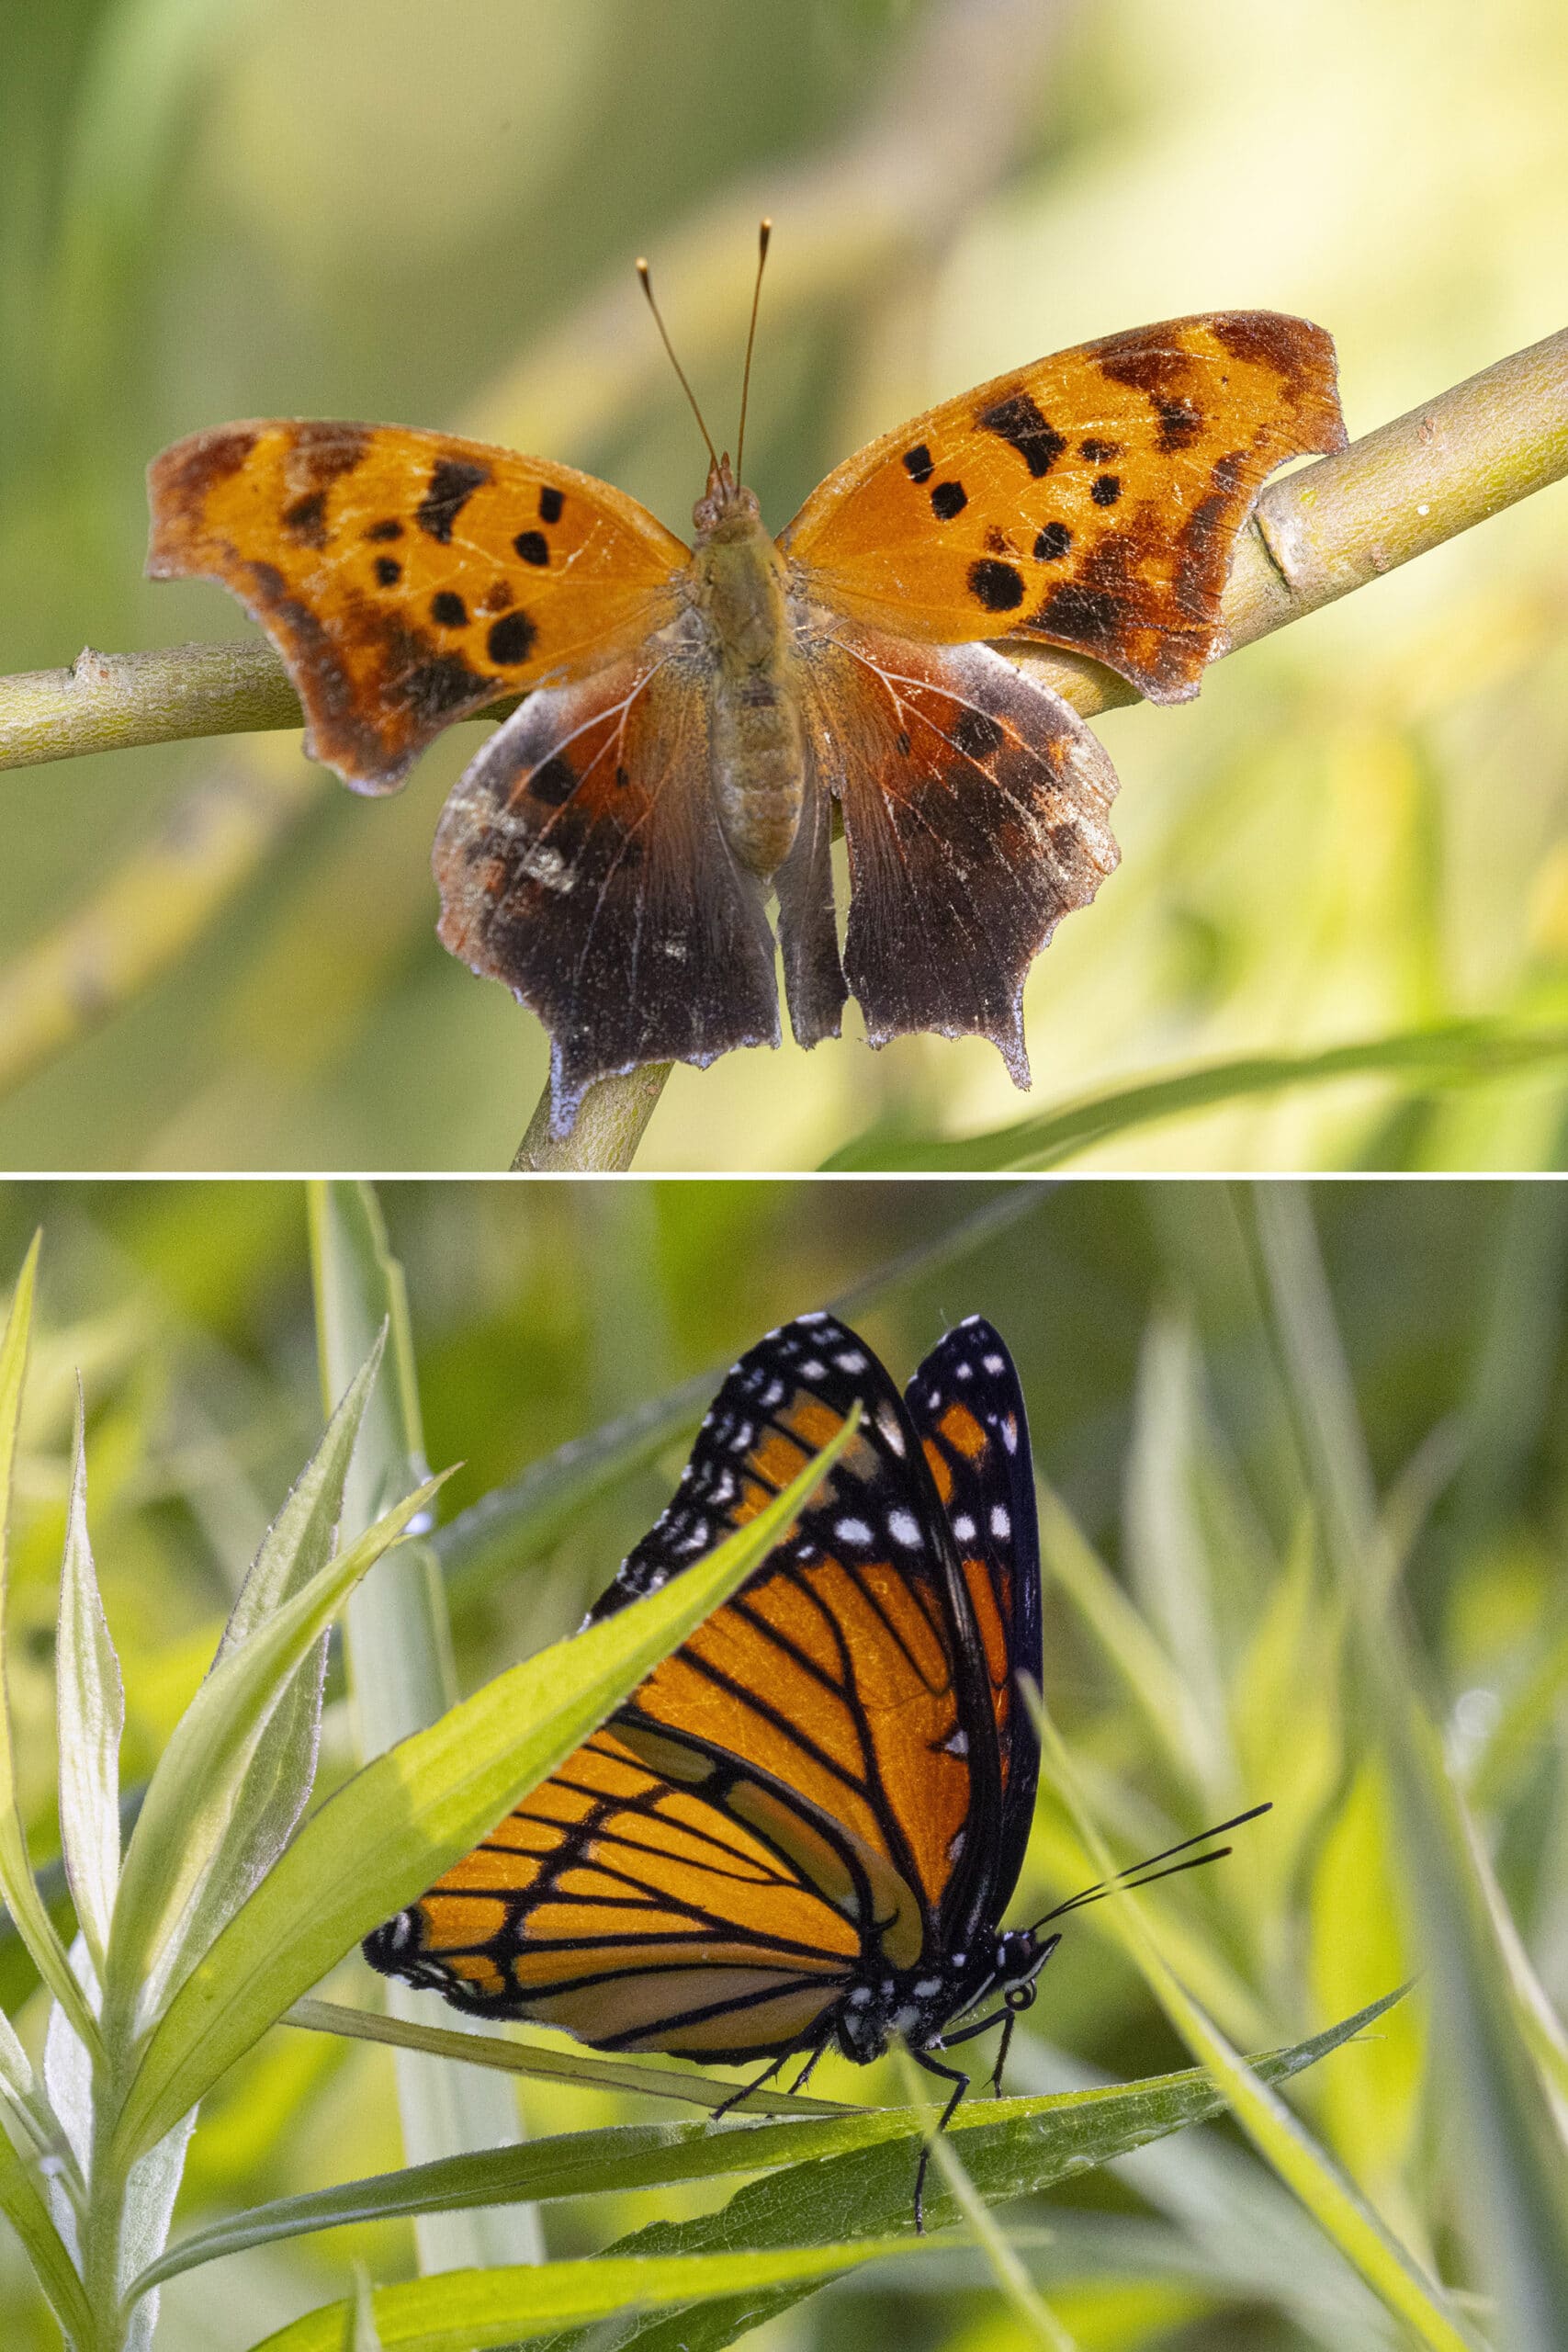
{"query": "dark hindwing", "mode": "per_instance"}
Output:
(967, 1405)
(579, 862)
(977, 810)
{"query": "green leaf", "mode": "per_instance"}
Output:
(398, 1654)
(203, 1764)
(244, 1833)
(1009, 2148)
(1461, 1053)
(16, 1883)
(479, 2047)
(390, 1831)
(25, 2209)
(90, 1715)
(467, 2310)
(1022, 2144)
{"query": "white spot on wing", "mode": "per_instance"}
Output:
(903, 1528)
(852, 1531)
(1001, 1525)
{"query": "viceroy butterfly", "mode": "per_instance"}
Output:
(803, 1828)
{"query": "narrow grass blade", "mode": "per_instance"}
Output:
(1461, 1053)
(23, 2207)
(16, 1883)
(90, 1716)
(397, 1652)
(467, 2310)
(515, 1522)
(1016, 2288)
(1499, 2109)
(1023, 2144)
(205, 1760)
(1122, 1637)
(392, 1829)
(1387, 2267)
(482, 2049)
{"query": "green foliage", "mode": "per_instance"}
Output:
(1266, 1577)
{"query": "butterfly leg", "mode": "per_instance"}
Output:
(960, 2085)
(1004, 2018)
(744, 2090)
(809, 2068)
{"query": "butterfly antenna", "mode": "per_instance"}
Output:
(1133, 1878)
(697, 411)
(763, 234)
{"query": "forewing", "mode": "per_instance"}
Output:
(967, 1405)
(976, 808)
(635, 1910)
(406, 578)
(1092, 500)
(840, 1670)
(581, 863)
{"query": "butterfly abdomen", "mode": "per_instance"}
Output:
(755, 742)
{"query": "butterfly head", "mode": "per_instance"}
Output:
(922, 2003)
(725, 498)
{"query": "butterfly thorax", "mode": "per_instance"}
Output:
(920, 2003)
(737, 583)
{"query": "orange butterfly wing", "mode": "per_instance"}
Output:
(408, 579)
(1092, 500)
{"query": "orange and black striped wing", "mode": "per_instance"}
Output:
(843, 1668)
(787, 1799)
(691, 1910)
(967, 1405)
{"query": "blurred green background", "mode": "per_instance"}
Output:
(222, 208)
(1196, 1652)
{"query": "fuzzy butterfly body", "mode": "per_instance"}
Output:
(694, 715)
(803, 1828)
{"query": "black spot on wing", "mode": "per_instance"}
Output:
(532, 547)
(975, 733)
(448, 609)
(453, 481)
(1181, 422)
(918, 463)
(390, 529)
(1052, 543)
(948, 499)
(551, 501)
(512, 638)
(388, 570)
(1106, 489)
(555, 782)
(306, 519)
(1017, 421)
(999, 586)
